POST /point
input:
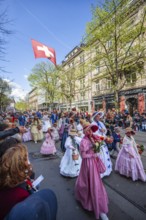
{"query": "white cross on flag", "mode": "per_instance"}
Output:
(42, 51)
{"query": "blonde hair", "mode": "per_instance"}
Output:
(14, 166)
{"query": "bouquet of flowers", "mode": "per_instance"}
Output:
(140, 148)
(97, 142)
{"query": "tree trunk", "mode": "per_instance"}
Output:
(70, 102)
(116, 94)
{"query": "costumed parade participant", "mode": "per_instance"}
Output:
(55, 132)
(46, 122)
(89, 189)
(104, 152)
(72, 124)
(36, 129)
(129, 162)
(71, 161)
(80, 128)
(27, 135)
(61, 125)
(48, 146)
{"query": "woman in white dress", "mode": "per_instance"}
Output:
(80, 128)
(46, 122)
(71, 161)
(104, 153)
(55, 132)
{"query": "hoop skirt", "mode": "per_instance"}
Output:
(48, 146)
(27, 136)
(127, 165)
(68, 166)
(89, 189)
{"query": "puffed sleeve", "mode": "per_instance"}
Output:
(68, 143)
(84, 145)
(84, 148)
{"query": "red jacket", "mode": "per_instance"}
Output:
(9, 198)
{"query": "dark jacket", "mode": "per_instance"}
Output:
(10, 132)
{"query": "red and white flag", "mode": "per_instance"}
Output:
(42, 51)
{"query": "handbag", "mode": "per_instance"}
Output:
(75, 156)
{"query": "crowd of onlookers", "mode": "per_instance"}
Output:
(19, 194)
(36, 123)
(112, 118)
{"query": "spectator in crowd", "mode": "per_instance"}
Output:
(6, 133)
(22, 120)
(54, 116)
(116, 141)
(128, 121)
(16, 187)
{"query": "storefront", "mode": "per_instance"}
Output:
(104, 102)
(133, 99)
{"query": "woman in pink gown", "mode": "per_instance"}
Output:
(48, 146)
(128, 162)
(89, 189)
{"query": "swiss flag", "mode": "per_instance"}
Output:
(42, 51)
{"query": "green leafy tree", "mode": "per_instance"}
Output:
(44, 76)
(67, 85)
(116, 37)
(70, 82)
(21, 105)
(5, 90)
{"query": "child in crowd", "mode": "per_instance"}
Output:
(48, 146)
(55, 132)
(71, 161)
(36, 129)
(117, 139)
(129, 162)
(27, 135)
